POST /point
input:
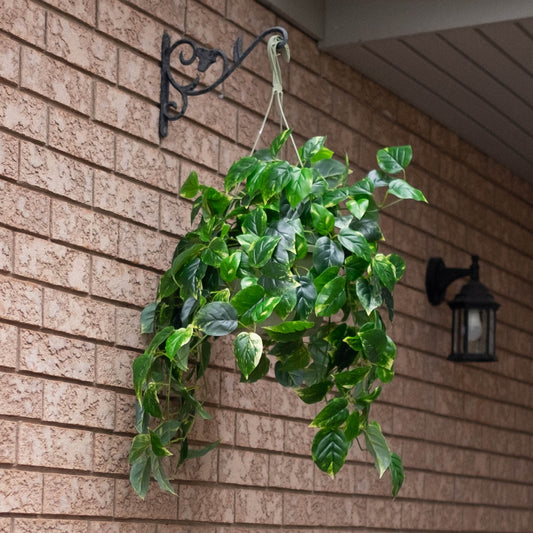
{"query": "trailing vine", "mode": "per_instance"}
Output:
(297, 245)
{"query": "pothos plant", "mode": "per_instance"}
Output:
(286, 259)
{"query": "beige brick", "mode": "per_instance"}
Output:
(121, 282)
(85, 11)
(146, 163)
(214, 113)
(20, 301)
(20, 492)
(243, 467)
(5, 525)
(81, 137)
(113, 366)
(81, 495)
(125, 198)
(70, 403)
(121, 527)
(259, 432)
(56, 81)
(291, 472)
(49, 525)
(53, 263)
(175, 215)
(145, 246)
(56, 173)
(286, 402)
(221, 427)
(9, 68)
(22, 113)
(255, 397)
(203, 468)
(24, 19)
(128, 329)
(56, 356)
(172, 528)
(124, 111)
(248, 90)
(130, 26)
(258, 507)
(79, 315)
(125, 413)
(346, 480)
(229, 153)
(308, 509)
(248, 127)
(6, 250)
(156, 505)
(9, 156)
(81, 46)
(139, 74)
(54, 447)
(111, 454)
(194, 143)
(171, 11)
(206, 504)
(9, 343)
(21, 395)
(85, 228)
(298, 437)
(8, 438)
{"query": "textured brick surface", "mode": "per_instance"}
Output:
(113, 366)
(6, 250)
(20, 301)
(56, 173)
(81, 46)
(206, 504)
(56, 81)
(29, 525)
(21, 492)
(9, 343)
(157, 505)
(24, 19)
(9, 69)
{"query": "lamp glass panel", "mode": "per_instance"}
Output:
(477, 323)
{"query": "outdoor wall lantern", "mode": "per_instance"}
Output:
(169, 110)
(473, 310)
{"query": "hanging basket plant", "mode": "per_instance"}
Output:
(286, 260)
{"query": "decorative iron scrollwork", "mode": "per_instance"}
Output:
(169, 110)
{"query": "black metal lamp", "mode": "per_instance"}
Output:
(473, 310)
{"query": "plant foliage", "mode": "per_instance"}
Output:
(297, 247)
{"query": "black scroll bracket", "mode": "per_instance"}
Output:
(168, 110)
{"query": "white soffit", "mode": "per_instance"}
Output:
(466, 63)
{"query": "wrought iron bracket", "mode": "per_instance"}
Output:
(170, 110)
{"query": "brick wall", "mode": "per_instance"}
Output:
(89, 218)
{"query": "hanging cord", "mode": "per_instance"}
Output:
(277, 90)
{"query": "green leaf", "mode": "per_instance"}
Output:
(329, 450)
(377, 446)
(299, 186)
(358, 207)
(355, 266)
(150, 401)
(157, 446)
(214, 202)
(139, 445)
(260, 371)
(331, 169)
(399, 265)
(378, 178)
(140, 475)
(247, 241)
(245, 302)
(401, 189)
(248, 348)
(353, 428)
(314, 393)
(168, 284)
(332, 415)
(239, 171)
(191, 187)
(255, 222)
(397, 474)
(331, 298)
(253, 181)
(306, 294)
(141, 367)
(262, 250)
(385, 271)
(288, 331)
(323, 220)
(229, 266)
(325, 277)
(215, 253)
(355, 242)
(179, 338)
(394, 159)
(159, 338)
(311, 148)
(275, 178)
(350, 378)
(167, 430)
(192, 453)
(279, 141)
(217, 319)
(148, 318)
(327, 253)
(369, 299)
(160, 476)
